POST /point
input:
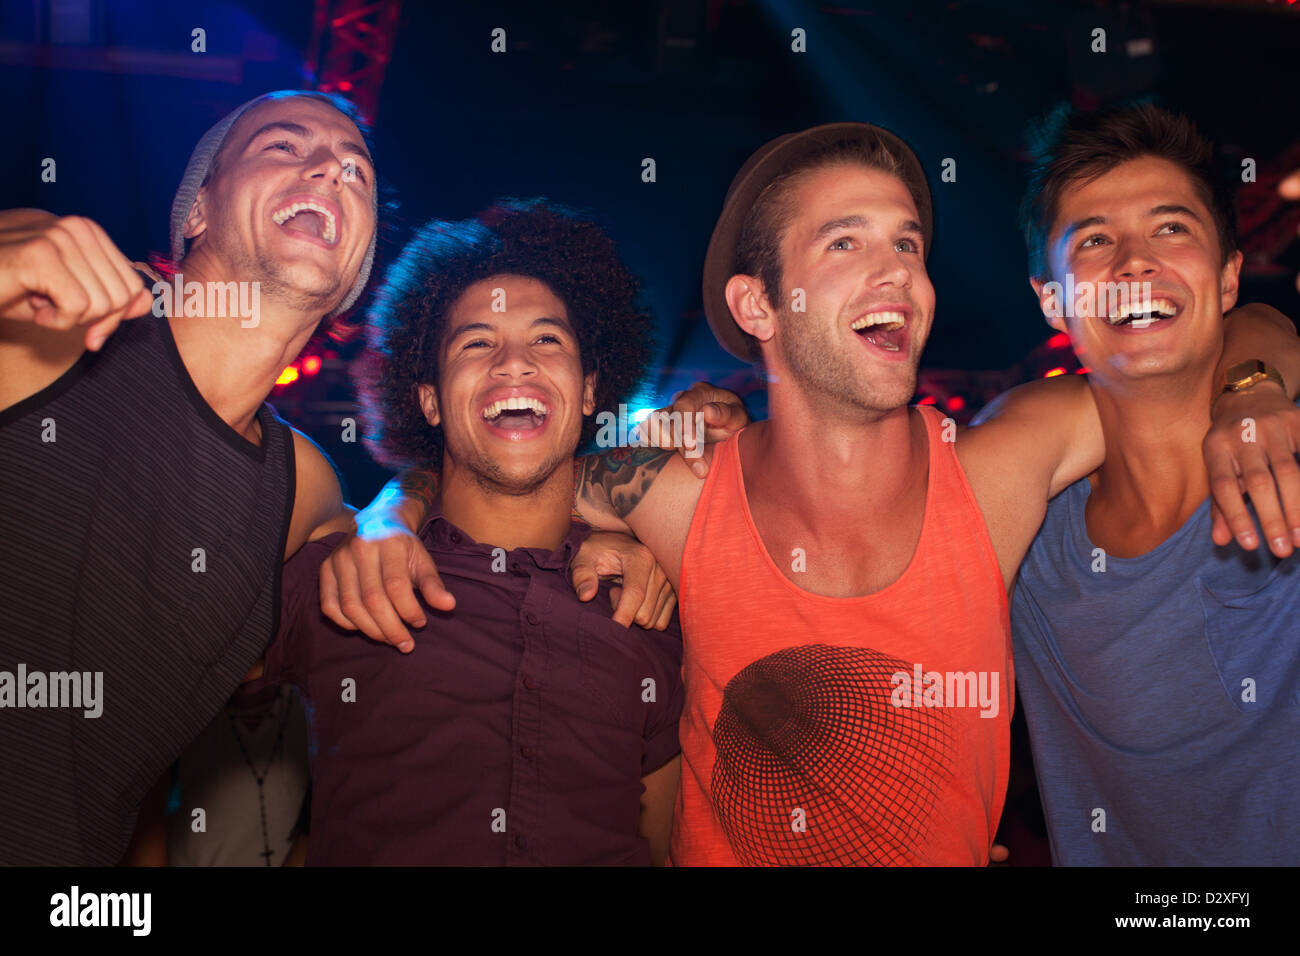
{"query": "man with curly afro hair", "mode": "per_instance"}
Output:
(575, 258)
(530, 728)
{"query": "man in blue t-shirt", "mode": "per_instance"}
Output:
(1159, 668)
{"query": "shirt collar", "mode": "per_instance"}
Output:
(439, 534)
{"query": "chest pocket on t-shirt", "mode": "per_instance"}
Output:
(1254, 639)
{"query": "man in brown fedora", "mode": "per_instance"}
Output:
(843, 571)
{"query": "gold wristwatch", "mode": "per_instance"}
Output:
(1246, 374)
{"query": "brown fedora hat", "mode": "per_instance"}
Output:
(771, 161)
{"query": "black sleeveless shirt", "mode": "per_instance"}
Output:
(141, 537)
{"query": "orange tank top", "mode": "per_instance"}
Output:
(860, 730)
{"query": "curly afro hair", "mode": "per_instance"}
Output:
(406, 323)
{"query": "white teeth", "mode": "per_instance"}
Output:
(281, 216)
(517, 403)
(1155, 308)
(890, 320)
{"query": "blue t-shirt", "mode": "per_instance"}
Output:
(1162, 696)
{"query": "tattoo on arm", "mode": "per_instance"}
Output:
(420, 483)
(624, 474)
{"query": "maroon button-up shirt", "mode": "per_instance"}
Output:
(517, 732)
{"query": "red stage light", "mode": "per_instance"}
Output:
(290, 374)
(311, 365)
(1061, 340)
(1053, 372)
(956, 403)
(1082, 371)
(928, 400)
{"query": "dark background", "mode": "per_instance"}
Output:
(586, 90)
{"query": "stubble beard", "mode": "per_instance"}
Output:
(274, 283)
(493, 479)
(821, 369)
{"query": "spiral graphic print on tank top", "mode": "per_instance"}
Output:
(807, 755)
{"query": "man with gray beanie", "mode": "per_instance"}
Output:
(148, 494)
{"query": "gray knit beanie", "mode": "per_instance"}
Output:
(196, 171)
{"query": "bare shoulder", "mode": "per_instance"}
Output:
(1038, 415)
(318, 492)
(631, 478)
(1022, 449)
(32, 357)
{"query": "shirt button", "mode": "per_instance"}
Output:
(531, 618)
(526, 752)
(456, 538)
(530, 683)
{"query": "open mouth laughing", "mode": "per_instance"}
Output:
(516, 416)
(885, 329)
(311, 218)
(1144, 313)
